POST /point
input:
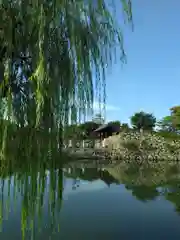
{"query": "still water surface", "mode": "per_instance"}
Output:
(120, 202)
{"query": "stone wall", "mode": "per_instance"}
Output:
(135, 145)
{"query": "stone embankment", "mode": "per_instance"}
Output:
(147, 146)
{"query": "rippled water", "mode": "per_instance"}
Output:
(126, 201)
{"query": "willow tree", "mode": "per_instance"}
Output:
(50, 52)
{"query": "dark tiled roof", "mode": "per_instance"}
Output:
(101, 128)
(114, 128)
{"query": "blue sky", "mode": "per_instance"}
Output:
(150, 80)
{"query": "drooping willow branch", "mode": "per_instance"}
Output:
(58, 52)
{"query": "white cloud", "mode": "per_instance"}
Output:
(108, 107)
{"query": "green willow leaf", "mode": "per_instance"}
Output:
(57, 54)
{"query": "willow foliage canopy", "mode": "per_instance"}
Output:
(49, 54)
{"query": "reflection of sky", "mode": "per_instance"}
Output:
(84, 186)
(97, 211)
(100, 212)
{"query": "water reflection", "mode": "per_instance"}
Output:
(33, 192)
(36, 197)
(146, 181)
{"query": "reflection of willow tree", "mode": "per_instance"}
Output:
(37, 190)
(49, 54)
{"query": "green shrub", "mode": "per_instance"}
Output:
(131, 145)
(169, 135)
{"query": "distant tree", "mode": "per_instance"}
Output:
(175, 114)
(80, 131)
(144, 121)
(166, 124)
(171, 123)
(98, 118)
(125, 127)
(88, 127)
(115, 123)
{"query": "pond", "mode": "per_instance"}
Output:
(82, 201)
